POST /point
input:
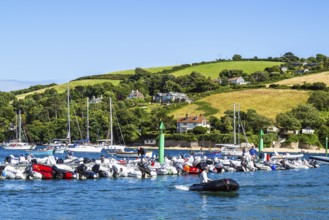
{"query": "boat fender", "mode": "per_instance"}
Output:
(273, 167)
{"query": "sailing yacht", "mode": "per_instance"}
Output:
(108, 143)
(60, 144)
(85, 145)
(233, 149)
(18, 144)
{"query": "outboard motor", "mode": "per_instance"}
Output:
(8, 159)
(56, 173)
(179, 167)
(144, 169)
(83, 172)
(86, 160)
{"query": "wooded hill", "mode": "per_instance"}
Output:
(266, 100)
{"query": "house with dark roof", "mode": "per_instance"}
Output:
(171, 97)
(135, 94)
(189, 122)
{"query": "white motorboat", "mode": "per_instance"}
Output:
(86, 147)
(131, 154)
(18, 145)
(230, 149)
(287, 156)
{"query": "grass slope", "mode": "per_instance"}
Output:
(267, 102)
(212, 70)
(312, 78)
(62, 87)
(151, 69)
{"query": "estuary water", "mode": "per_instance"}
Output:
(288, 194)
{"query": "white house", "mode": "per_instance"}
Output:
(307, 130)
(135, 94)
(189, 122)
(95, 100)
(272, 129)
(237, 80)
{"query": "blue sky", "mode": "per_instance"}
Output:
(61, 40)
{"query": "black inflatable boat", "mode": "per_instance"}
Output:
(222, 185)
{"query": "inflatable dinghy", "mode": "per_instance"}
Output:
(222, 185)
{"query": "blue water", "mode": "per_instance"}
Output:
(289, 194)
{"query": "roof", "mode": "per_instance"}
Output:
(192, 119)
(234, 78)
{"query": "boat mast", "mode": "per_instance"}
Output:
(87, 119)
(19, 126)
(68, 115)
(16, 127)
(234, 126)
(111, 122)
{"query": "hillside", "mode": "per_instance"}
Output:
(312, 78)
(207, 69)
(62, 87)
(267, 102)
(212, 70)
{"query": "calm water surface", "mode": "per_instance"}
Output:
(290, 194)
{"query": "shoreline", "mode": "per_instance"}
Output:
(265, 150)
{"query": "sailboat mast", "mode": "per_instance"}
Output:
(16, 126)
(68, 115)
(234, 126)
(19, 126)
(87, 119)
(111, 123)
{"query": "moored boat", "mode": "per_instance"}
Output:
(320, 159)
(41, 152)
(221, 185)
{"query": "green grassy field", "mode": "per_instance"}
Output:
(267, 102)
(212, 70)
(62, 87)
(151, 69)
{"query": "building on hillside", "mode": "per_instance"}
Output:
(272, 129)
(284, 69)
(237, 80)
(302, 71)
(307, 130)
(150, 142)
(135, 94)
(288, 132)
(189, 122)
(95, 100)
(171, 97)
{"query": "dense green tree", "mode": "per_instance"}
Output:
(307, 115)
(288, 121)
(231, 73)
(320, 100)
(199, 130)
(236, 57)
